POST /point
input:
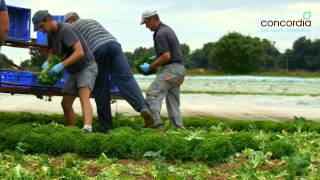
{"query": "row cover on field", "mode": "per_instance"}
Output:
(245, 84)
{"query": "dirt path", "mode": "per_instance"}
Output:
(277, 108)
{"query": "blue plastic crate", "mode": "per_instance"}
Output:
(42, 37)
(19, 21)
(114, 90)
(17, 77)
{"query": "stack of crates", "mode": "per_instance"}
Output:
(42, 37)
(19, 21)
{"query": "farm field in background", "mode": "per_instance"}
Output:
(255, 85)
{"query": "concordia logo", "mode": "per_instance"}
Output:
(304, 22)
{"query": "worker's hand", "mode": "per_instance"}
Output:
(145, 67)
(56, 69)
(45, 64)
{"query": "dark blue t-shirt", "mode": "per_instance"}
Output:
(3, 6)
(165, 40)
(62, 42)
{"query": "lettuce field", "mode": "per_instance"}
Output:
(37, 146)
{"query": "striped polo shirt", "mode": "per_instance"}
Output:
(94, 33)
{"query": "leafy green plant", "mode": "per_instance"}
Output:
(162, 170)
(91, 145)
(148, 60)
(214, 150)
(48, 129)
(195, 139)
(269, 126)
(65, 173)
(256, 158)
(71, 160)
(44, 76)
(35, 143)
(242, 140)
(104, 159)
(18, 172)
(119, 142)
(44, 160)
(11, 136)
(122, 121)
(297, 124)
(281, 147)
(195, 122)
(247, 172)
(176, 148)
(10, 118)
(149, 141)
(297, 165)
(63, 142)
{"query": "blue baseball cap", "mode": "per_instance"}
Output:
(38, 17)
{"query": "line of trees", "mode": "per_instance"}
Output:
(233, 53)
(239, 54)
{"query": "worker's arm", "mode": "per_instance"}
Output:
(163, 59)
(47, 61)
(49, 55)
(75, 56)
(4, 26)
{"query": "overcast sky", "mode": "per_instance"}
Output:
(195, 22)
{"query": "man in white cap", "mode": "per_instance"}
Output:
(171, 70)
(111, 60)
(4, 22)
(66, 43)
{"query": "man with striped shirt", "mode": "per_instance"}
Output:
(111, 60)
(4, 22)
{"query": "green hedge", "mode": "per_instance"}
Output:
(136, 123)
(55, 139)
(119, 141)
(281, 147)
(213, 143)
(243, 140)
(214, 150)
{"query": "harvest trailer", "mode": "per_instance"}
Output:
(25, 82)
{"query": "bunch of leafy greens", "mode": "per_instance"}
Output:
(45, 78)
(148, 60)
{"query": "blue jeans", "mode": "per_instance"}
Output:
(111, 60)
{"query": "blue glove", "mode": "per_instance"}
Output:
(45, 64)
(145, 67)
(56, 69)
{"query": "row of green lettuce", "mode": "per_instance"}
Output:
(257, 165)
(136, 123)
(70, 166)
(212, 146)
